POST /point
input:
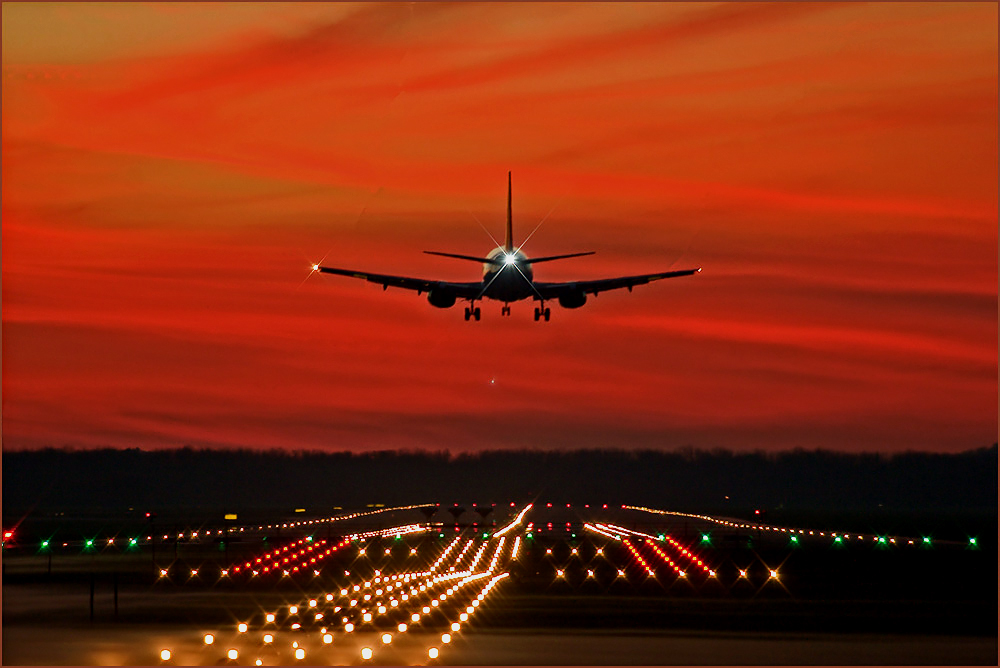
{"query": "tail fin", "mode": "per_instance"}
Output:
(508, 242)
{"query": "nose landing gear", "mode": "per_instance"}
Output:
(472, 312)
(505, 310)
(542, 312)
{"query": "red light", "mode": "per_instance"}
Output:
(756, 512)
(7, 535)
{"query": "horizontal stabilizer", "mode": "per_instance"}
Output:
(556, 257)
(471, 258)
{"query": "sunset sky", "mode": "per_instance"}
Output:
(171, 171)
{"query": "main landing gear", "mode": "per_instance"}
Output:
(542, 312)
(472, 312)
(505, 310)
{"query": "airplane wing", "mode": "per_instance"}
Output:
(460, 290)
(555, 290)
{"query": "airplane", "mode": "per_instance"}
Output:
(507, 277)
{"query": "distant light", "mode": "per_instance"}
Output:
(209, 639)
(268, 638)
(433, 653)
(293, 609)
(366, 653)
(165, 655)
(446, 638)
(300, 654)
(348, 627)
(386, 638)
(242, 627)
(927, 540)
(269, 617)
(233, 654)
(455, 626)
(327, 638)
(415, 617)
(163, 572)
(774, 574)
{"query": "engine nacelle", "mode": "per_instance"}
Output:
(441, 298)
(574, 299)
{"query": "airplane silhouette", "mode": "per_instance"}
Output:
(507, 277)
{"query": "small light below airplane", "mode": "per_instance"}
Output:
(507, 277)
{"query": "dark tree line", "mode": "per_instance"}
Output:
(689, 479)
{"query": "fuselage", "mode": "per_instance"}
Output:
(509, 281)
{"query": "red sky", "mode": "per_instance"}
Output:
(170, 171)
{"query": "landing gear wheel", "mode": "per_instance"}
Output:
(547, 313)
(475, 313)
(505, 310)
(538, 313)
(468, 313)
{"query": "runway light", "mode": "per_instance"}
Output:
(386, 638)
(401, 628)
(209, 639)
(348, 627)
(233, 654)
(367, 617)
(774, 574)
(164, 655)
(366, 653)
(293, 609)
(300, 654)
(973, 542)
(433, 653)
(327, 638)
(268, 638)
(242, 627)
(927, 541)
(163, 572)
(258, 662)
(455, 626)
(269, 617)
(446, 638)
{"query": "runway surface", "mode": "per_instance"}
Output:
(552, 585)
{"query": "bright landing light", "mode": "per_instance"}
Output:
(509, 258)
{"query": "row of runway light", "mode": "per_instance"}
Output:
(838, 537)
(304, 558)
(618, 533)
(417, 593)
(134, 541)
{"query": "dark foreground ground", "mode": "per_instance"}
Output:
(863, 602)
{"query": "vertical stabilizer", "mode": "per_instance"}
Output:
(508, 242)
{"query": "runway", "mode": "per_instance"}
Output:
(522, 585)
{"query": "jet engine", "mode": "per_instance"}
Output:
(441, 298)
(574, 299)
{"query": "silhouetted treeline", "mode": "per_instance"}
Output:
(51, 480)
